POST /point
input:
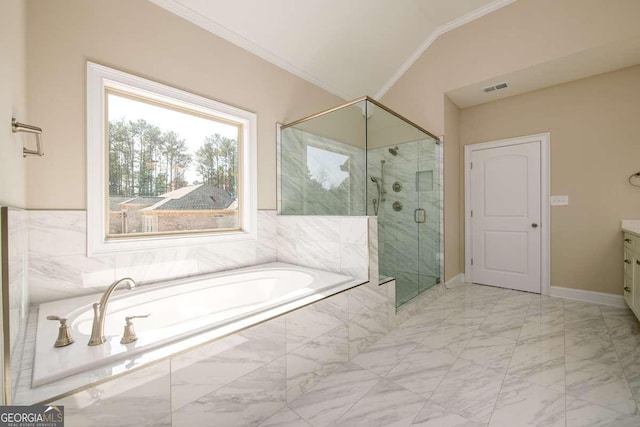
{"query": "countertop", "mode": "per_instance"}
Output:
(631, 226)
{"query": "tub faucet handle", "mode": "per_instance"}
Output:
(64, 332)
(129, 334)
(139, 316)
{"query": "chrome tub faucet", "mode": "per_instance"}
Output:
(100, 310)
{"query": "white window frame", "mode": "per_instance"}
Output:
(101, 78)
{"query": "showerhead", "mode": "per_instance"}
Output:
(378, 184)
(393, 151)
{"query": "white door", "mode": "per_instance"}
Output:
(505, 205)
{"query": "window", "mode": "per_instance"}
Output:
(165, 167)
(328, 168)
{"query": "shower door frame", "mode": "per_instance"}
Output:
(438, 179)
(439, 162)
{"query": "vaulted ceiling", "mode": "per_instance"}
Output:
(348, 47)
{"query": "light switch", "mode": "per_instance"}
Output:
(559, 200)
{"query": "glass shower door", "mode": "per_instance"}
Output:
(402, 233)
(427, 214)
(403, 191)
(409, 219)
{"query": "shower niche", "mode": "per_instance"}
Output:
(362, 158)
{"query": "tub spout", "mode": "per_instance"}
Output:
(100, 311)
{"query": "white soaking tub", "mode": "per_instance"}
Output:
(177, 309)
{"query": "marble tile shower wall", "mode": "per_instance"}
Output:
(18, 244)
(301, 168)
(429, 197)
(402, 241)
(337, 244)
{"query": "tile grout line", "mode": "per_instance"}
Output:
(229, 382)
(619, 414)
(421, 341)
(504, 377)
(624, 371)
(420, 410)
(400, 361)
(295, 412)
(383, 377)
(362, 397)
(427, 400)
(323, 379)
(452, 364)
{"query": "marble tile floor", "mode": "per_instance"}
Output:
(484, 356)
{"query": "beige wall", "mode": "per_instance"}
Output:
(523, 34)
(12, 102)
(139, 37)
(518, 36)
(346, 125)
(595, 146)
(451, 189)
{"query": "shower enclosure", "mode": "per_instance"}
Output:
(408, 210)
(362, 158)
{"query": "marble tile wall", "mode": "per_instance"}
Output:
(338, 244)
(245, 378)
(248, 377)
(18, 246)
(300, 195)
(59, 267)
(140, 398)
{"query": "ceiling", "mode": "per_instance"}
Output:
(602, 59)
(348, 47)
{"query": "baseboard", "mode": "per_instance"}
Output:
(458, 278)
(588, 296)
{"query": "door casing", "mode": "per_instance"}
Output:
(545, 206)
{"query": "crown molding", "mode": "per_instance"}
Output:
(183, 11)
(178, 8)
(451, 25)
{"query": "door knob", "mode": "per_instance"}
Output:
(534, 225)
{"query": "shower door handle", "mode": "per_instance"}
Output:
(420, 216)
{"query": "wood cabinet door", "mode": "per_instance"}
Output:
(635, 280)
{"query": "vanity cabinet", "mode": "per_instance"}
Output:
(631, 285)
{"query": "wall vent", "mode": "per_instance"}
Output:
(497, 86)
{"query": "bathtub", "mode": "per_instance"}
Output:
(178, 309)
